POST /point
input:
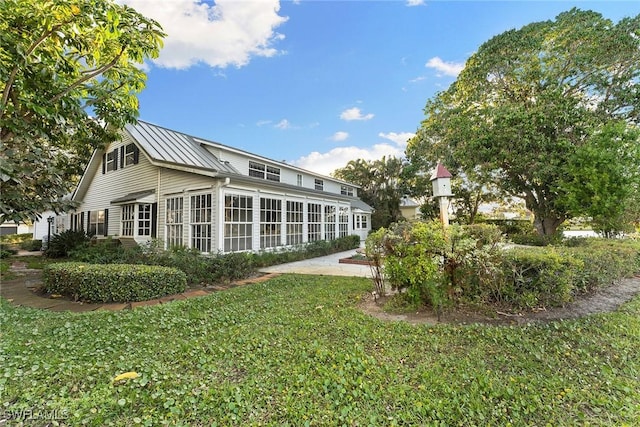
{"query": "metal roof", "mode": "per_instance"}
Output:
(169, 146)
(359, 204)
(133, 196)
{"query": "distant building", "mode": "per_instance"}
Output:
(409, 208)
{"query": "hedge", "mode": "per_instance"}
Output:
(112, 282)
(536, 277)
(552, 276)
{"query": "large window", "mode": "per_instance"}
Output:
(318, 184)
(270, 223)
(330, 222)
(260, 170)
(128, 219)
(174, 221)
(299, 180)
(314, 221)
(343, 222)
(238, 223)
(97, 223)
(295, 218)
(201, 214)
(144, 219)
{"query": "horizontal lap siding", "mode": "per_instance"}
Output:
(113, 184)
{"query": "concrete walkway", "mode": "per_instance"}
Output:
(23, 290)
(326, 266)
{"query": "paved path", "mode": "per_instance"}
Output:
(22, 291)
(326, 265)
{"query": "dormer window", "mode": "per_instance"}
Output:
(260, 170)
(346, 190)
(319, 184)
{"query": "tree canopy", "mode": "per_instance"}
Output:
(381, 186)
(533, 105)
(70, 72)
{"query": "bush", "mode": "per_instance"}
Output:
(107, 251)
(61, 245)
(112, 282)
(605, 260)
(31, 245)
(437, 266)
(6, 252)
(536, 277)
(15, 238)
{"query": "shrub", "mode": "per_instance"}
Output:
(108, 251)
(605, 260)
(31, 245)
(62, 244)
(535, 277)
(16, 238)
(434, 265)
(112, 282)
(6, 252)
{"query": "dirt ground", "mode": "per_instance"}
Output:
(602, 301)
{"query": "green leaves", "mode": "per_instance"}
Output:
(528, 101)
(262, 355)
(62, 62)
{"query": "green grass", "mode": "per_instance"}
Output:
(295, 351)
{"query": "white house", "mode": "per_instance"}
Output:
(159, 183)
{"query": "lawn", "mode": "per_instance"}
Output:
(296, 351)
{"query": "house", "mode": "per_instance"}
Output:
(410, 209)
(184, 190)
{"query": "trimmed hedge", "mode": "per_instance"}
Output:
(552, 276)
(536, 277)
(112, 282)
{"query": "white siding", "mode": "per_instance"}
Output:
(114, 184)
(288, 175)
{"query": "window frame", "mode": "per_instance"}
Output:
(200, 221)
(174, 221)
(270, 222)
(238, 222)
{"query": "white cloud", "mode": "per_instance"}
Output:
(354, 114)
(399, 138)
(411, 3)
(447, 68)
(283, 124)
(229, 32)
(340, 136)
(325, 163)
(261, 123)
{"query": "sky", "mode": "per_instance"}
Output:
(316, 83)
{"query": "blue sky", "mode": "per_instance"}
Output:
(318, 83)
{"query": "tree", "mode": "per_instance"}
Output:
(529, 99)
(613, 156)
(70, 74)
(381, 187)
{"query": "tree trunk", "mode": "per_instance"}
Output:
(547, 226)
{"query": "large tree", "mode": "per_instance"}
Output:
(530, 100)
(70, 72)
(381, 186)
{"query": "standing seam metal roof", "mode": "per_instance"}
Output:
(165, 145)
